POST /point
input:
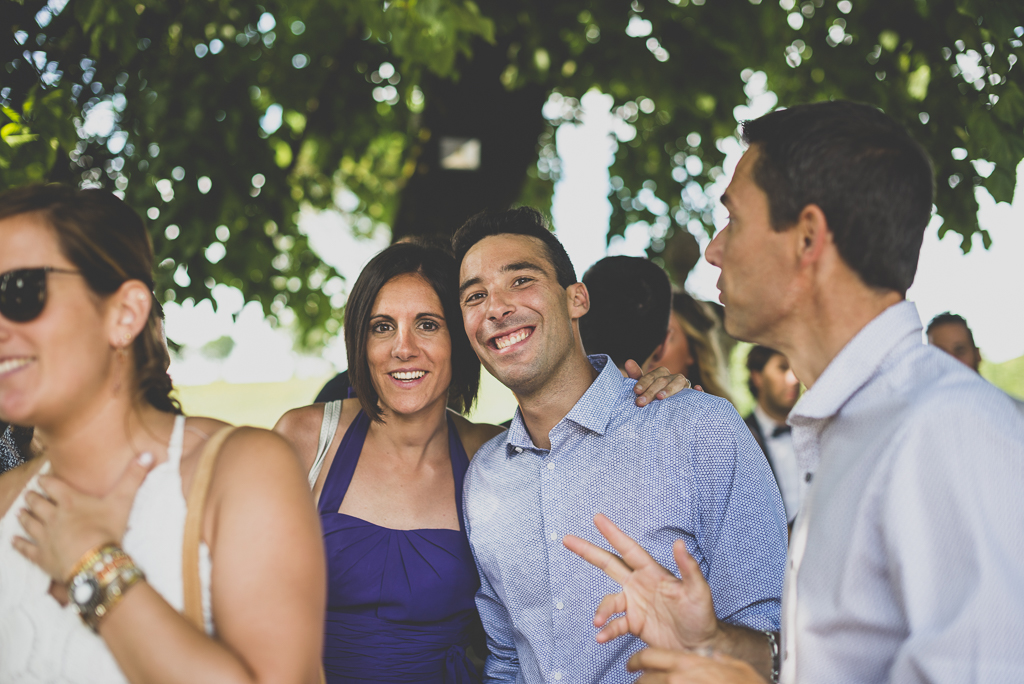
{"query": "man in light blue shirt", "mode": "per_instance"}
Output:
(685, 468)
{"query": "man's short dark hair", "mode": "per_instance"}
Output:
(872, 181)
(438, 268)
(757, 359)
(946, 318)
(630, 305)
(516, 221)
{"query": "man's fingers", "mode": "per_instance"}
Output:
(689, 569)
(610, 605)
(133, 476)
(659, 659)
(632, 553)
(609, 563)
(613, 630)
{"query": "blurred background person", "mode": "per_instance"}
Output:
(691, 347)
(630, 305)
(950, 333)
(776, 390)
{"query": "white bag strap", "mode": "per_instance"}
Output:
(332, 414)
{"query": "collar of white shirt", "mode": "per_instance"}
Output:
(856, 363)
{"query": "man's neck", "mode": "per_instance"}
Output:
(545, 407)
(775, 416)
(813, 338)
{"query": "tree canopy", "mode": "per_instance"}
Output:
(219, 119)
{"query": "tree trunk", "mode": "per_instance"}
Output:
(437, 200)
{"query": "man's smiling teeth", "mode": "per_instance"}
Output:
(509, 340)
(13, 364)
(408, 375)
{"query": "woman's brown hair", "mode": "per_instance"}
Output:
(108, 243)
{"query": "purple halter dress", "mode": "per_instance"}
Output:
(400, 605)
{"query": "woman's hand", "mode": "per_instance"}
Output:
(657, 384)
(65, 524)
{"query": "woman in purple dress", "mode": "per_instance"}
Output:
(401, 576)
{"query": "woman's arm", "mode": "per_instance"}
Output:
(301, 429)
(268, 581)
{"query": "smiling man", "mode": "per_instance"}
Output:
(683, 470)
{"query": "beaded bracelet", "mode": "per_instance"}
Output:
(99, 582)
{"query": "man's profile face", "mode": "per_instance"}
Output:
(758, 264)
(954, 339)
(777, 386)
(516, 314)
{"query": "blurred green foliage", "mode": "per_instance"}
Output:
(221, 119)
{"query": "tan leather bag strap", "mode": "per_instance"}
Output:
(194, 527)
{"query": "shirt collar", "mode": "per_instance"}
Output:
(766, 422)
(857, 362)
(593, 411)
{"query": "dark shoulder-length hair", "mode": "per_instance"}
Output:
(439, 269)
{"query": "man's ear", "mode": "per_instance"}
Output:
(127, 312)
(812, 233)
(579, 300)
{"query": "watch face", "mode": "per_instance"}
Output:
(85, 592)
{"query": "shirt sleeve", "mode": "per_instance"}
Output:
(502, 664)
(741, 522)
(952, 513)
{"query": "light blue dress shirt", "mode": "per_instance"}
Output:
(682, 468)
(907, 558)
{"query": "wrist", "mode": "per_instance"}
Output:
(99, 581)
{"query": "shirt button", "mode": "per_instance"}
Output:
(554, 536)
(558, 605)
(551, 466)
(808, 477)
(557, 676)
(519, 450)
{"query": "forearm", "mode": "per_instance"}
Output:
(748, 645)
(153, 643)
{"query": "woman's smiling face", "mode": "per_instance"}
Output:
(58, 359)
(408, 347)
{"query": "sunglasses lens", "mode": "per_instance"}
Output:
(22, 294)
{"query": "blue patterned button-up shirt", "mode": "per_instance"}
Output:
(682, 468)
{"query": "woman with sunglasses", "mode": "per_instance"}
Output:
(401, 576)
(92, 529)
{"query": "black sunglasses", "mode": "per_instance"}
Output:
(23, 292)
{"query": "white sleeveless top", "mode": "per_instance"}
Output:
(40, 641)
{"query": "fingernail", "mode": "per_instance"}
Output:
(145, 459)
(642, 400)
